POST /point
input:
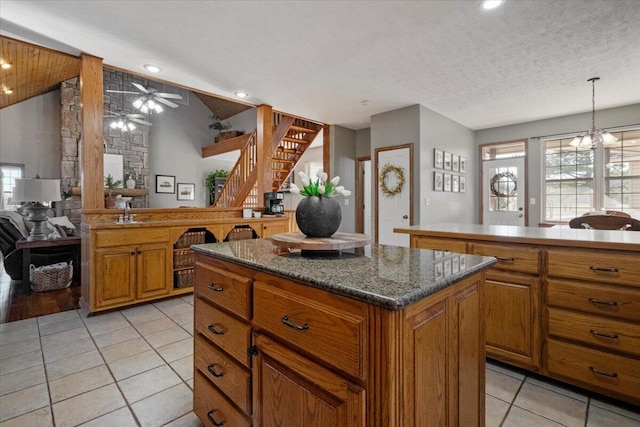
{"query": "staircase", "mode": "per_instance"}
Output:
(291, 137)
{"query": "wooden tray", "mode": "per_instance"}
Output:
(334, 243)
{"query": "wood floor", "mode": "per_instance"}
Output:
(15, 306)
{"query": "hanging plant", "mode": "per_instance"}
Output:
(387, 171)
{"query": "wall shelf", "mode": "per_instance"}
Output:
(126, 192)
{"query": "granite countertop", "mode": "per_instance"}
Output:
(389, 276)
(553, 236)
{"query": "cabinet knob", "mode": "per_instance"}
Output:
(133, 253)
(213, 421)
(212, 328)
(139, 251)
(217, 374)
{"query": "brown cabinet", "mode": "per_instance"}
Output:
(271, 351)
(272, 228)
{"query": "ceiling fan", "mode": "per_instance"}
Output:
(124, 121)
(150, 99)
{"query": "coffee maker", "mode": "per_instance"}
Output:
(274, 203)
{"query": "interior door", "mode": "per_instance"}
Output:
(394, 211)
(504, 190)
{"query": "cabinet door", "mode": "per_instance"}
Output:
(271, 229)
(115, 280)
(290, 390)
(513, 330)
(152, 274)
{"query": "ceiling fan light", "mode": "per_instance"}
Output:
(131, 126)
(609, 138)
(120, 123)
(113, 125)
(159, 109)
(144, 108)
(151, 104)
(137, 103)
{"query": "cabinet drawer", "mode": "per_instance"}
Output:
(225, 289)
(595, 330)
(229, 376)
(320, 329)
(211, 406)
(230, 334)
(438, 244)
(616, 374)
(619, 268)
(510, 257)
(105, 238)
(615, 301)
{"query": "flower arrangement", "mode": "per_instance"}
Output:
(319, 187)
(130, 174)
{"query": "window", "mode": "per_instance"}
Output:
(574, 185)
(10, 172)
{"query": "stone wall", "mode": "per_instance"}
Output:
(70, 129)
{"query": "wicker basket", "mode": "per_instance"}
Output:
(183, 258)
(240, 233)
(190, 238)
(183, 278)
(51, 277)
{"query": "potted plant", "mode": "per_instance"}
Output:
(111, 183)
(223, 128)
(213, 180)
(130, 177)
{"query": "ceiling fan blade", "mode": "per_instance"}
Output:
(121, 91)
(135, 116)
(165, 102)
(142, 122)
(114, 113)
(169, 95)
(140, 87)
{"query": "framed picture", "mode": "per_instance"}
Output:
(447, 161)
(463, 184)
(437, 181)
(455, 183)
(165, 184)
(455, 162)
(437, 159)
(186, 191)
(463, 165)
(447, 182)
(438, 271)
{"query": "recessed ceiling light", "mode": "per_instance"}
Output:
(5, 65)
(7, 91)
(490, 4)
(152, 68)
(241, 94)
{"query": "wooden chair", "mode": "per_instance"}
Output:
(614, 213)
(605, 222)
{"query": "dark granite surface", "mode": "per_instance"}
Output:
(389, 276)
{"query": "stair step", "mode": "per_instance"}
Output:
(299, 141)
(304, 129)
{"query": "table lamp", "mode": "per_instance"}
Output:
(34, 191)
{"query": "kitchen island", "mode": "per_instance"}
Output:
(383, 336)
(561, 302)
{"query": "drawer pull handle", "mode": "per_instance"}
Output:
(510, 259)
(606, 374)
(215, 288)
(607, 269)
(290, 324)
(211, 369)
(600, 334)
(212, 328)
(213, 420)
(596, 301)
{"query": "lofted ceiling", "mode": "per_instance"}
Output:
(527, 60)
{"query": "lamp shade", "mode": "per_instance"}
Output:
(36, 190)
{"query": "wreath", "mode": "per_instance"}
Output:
(500, 184)
(384, 178)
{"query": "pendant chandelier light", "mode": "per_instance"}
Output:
(594, 137)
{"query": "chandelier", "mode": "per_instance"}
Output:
(123, 124)
(147, 104)
(594, 137)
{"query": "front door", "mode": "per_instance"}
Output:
(504, 189)
(394, 205)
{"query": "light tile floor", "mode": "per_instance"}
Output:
(134, 367)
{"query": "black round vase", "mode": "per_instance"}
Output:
(318, 216)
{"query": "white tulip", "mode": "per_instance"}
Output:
(305, 180)
(339, 189)
(335, 180)
(319, 173)
(292, 185)
(294, 190)
(321, 189)
(303, 175)
(323, 177)
(346, 193)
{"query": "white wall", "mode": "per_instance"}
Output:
(30, 134)
(310, 155)
(343, 164)
(609, 118)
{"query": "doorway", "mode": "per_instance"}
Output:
(363, 195)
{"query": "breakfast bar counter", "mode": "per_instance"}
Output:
(380, 335)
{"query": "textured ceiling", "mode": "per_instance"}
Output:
(525, 61)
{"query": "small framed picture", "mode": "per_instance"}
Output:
(165, 184)
(438, 270)
(447, 182)
(438, 158)
(186, 191)
(455, 264)
(455, 183)
(447, 267)
(437, 181)
(447, 161)
(455, 162)
(463, 184)
(463, 165)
